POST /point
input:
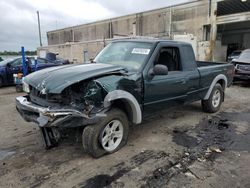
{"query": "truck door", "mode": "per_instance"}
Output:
(161, 91)
(13, 67)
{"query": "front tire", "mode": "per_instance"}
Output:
(214, 101)
(107, 136)
(1, 82)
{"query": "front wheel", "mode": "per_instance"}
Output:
(107, 136)
(1, 81)
(214, 101)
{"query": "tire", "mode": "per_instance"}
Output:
(19, 88)
(1, 82)
(214, 101)
(114, 127)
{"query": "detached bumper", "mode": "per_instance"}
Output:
(48, 117)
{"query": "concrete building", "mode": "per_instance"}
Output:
(215, 28)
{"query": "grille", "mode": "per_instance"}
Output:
(244, 67)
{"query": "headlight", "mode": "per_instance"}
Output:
(26, 87)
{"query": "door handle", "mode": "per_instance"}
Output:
(182, 81)
(15, 68)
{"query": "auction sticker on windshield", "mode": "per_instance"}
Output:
(143, 51)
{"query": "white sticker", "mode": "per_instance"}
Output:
(140, 51)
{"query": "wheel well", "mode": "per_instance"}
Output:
(222, 83)
(125, 107)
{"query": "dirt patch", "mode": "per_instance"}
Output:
(213, 136)
(203, 143)
(122, 169)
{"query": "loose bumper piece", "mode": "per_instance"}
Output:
(47, 117)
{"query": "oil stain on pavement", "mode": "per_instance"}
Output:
(213, 136)
(206, 141)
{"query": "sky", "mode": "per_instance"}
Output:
(18, 18)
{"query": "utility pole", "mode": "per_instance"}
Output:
(170, 23)
(213, 34)
(39, 28)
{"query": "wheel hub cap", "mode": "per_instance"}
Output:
(112, 135)
(216, 98)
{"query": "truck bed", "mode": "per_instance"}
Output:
(209, 63)
(209, 70)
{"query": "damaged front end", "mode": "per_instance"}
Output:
(78, 105)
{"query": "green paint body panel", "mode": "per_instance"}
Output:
(56, 79)
(152, 92)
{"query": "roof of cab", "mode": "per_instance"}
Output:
(152, 41)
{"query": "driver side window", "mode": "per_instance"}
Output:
(41, 61)
(170, 57)
(16, 63)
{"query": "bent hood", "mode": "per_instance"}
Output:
(56, 79)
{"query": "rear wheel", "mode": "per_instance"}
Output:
(214, 101)
(107, 136)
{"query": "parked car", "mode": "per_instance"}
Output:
(9, 67)
(52, 57)
(242, 66)
(234, 55)
(129, 80)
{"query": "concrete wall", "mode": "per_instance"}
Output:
(163, 23)
(75, 51)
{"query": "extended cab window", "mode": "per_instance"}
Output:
(170, 57)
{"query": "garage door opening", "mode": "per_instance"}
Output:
(228, 7)
(233, 37)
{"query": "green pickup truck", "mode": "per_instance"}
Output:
(128, 80)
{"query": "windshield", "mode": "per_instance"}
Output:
(245, 56)
(4, 62)
(235, 53)
(131, 55)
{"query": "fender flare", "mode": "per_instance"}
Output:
(130, 99)
(216, 79)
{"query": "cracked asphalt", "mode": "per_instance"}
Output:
(178, 147)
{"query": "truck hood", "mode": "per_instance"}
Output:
(56, 79)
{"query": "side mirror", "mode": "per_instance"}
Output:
(8, 65)
(159, 70)
(91, 60)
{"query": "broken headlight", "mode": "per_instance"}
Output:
(26, 87)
